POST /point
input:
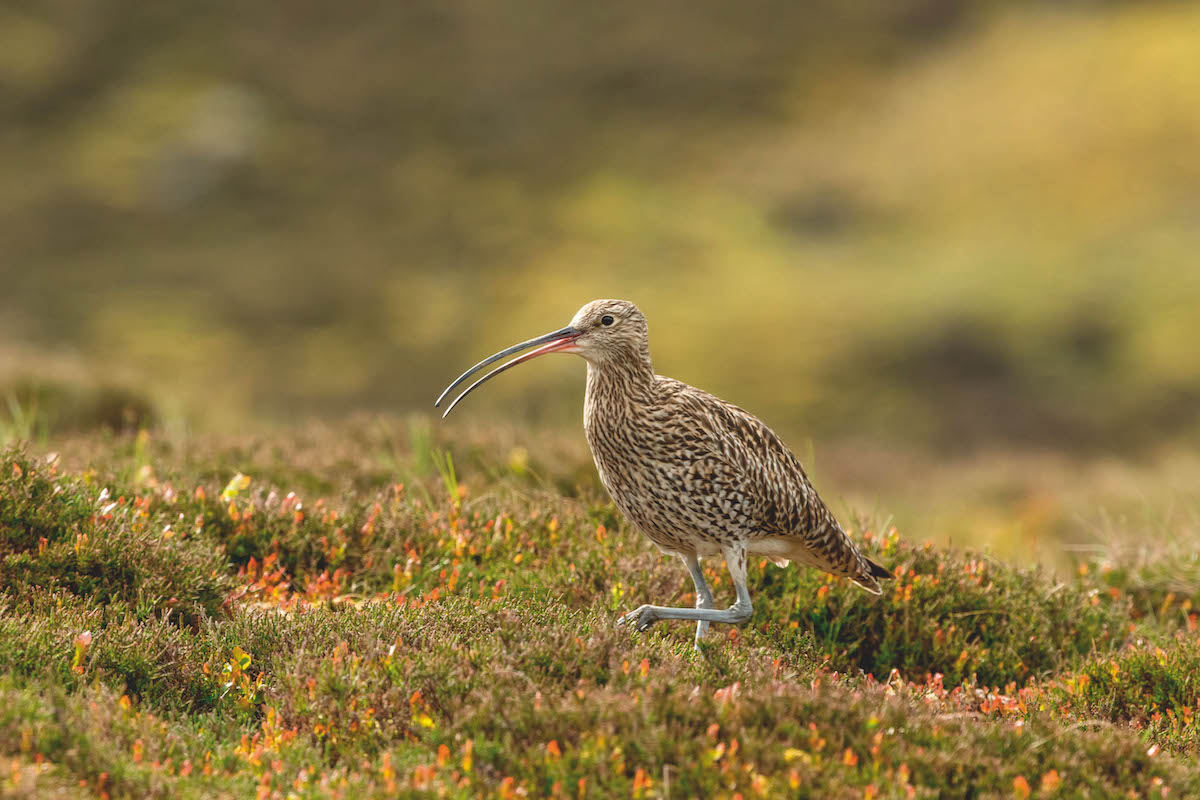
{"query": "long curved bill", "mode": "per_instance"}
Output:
(556, 342)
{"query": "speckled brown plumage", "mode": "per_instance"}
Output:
(698, 476)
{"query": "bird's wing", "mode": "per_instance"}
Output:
(746, 460)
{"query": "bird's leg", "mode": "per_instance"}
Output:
(735, 559)
(704, 596)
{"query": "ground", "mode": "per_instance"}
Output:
(364, 610)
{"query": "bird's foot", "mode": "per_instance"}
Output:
(640, 618)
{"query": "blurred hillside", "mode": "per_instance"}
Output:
(948, 223)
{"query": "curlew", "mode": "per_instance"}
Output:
(698, 476)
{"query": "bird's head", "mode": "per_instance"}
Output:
(603, 332)
(611, 330)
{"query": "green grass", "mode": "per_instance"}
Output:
(452, 633)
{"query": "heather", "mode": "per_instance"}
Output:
(364, 611)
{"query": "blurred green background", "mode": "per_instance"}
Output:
(935, 226)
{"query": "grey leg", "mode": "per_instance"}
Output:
(735, 560)
(704, 597)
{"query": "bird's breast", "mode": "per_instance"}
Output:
(669, 488)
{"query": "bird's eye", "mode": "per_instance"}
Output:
(606, 319)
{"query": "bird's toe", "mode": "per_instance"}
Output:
(639, 619)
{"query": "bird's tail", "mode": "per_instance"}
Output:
(869, 577)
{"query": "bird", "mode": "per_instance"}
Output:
(698, 476)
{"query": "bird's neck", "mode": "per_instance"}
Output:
(616, 387)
